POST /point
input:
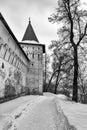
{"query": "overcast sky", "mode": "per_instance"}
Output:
(17, 13)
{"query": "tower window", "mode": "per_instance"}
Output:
(2, 65)
(38, 56)
(33, 55)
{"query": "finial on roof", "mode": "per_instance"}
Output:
(29, 20)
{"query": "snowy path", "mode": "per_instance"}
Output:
(43, 114)
(41, 117)
(34, 113)
(11, 109)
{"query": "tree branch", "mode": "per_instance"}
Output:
(82, 35)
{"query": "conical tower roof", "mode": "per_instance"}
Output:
(30, 34)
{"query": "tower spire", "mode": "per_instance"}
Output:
(29, 33)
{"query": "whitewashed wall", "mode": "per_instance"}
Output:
(13, 63)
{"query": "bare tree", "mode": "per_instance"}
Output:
(72, 31)
(46, 71)
(82, 76)
(62, 64)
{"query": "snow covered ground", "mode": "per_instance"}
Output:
(47, 112)
(76, 113)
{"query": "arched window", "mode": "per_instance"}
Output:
(15, 60)
(6, 55)
(5, 48)
(1, 42)
(9, 53)
(17, 63)
(11, 57)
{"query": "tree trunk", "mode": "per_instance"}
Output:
(75, 79)
(56, 85)
(58, 73)
(50, 82)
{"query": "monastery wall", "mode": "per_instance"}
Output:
(13, 65)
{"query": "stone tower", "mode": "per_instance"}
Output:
(34, 50)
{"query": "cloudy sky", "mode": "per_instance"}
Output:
(17, 13)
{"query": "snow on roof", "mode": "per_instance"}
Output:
(30, 41)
